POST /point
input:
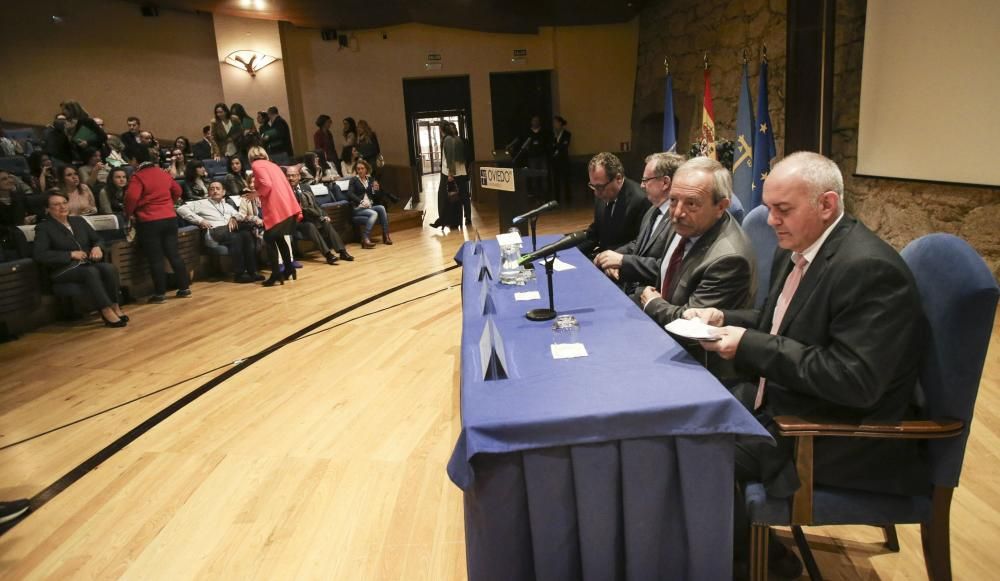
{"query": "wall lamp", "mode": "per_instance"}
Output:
(250, 61)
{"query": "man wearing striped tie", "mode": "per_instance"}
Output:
(838, 337)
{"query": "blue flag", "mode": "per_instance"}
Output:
(743, 155)
(763, 142)
(669, 130)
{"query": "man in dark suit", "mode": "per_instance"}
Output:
(638, 262)
(838, 337)
(131, 137)
(203, 149)
(279, 125)
(560, 161)
(619, 205)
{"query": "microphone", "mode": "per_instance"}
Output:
(568, 241)
(546, 207)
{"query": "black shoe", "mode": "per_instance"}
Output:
(123, 318)
(117, 324)
(279, 279)
(243, 278)
(331, 259)
(157, 299)
(257, 277)
(781, 562)
(345, 255)
(183, 294)
(13, 509)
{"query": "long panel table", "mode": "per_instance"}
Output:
(618, 465)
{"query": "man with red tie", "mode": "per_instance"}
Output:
(708, 260)
(839, 337)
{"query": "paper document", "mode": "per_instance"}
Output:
(693, 329)
(509, 238)
(559, 265)
(527, 296)
(568, 350)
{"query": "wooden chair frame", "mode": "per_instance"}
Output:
(934, 532)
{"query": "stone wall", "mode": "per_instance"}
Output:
(683, 30)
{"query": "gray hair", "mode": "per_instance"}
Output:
(722, 180)
(665, 163)
(819, 172)
(609, 162)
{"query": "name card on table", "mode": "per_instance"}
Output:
(492, 358)
(485, 268)
(486, 304)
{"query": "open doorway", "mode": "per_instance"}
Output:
(427, 128)
(429, 102)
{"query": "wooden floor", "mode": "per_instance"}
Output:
(323, 460)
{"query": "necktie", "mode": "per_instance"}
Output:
(648, 232)
(673, 266)
(609, 208)
(781, 307)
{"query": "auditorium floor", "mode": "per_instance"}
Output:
(324, 459)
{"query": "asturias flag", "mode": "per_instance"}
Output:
(743, 154)
(669, 129)
(763, 142)
(708, 121)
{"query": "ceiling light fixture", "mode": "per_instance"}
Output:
(250, 61)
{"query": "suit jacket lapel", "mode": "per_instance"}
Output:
(644, 233)
(694, 256)
(814, 274)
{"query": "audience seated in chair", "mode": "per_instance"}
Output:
(81, 199)
(315, 225)
(317, 171)
(224, 225)
(361, 193)
(195, 181)
(70, 249)
(236, 179)
(111, 199)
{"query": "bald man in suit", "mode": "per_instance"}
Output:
(839, 337)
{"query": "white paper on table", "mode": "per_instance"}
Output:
(693, 329)
(559, 265)
(509, 238)
(527, 296)
(568, 350)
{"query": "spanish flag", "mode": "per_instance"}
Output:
(708, 121)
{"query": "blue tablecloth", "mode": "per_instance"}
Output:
(618, 465)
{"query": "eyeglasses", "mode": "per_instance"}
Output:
(643, 181)
(599, 187)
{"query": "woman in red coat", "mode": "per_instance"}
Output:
(281, 212)
(149, 201)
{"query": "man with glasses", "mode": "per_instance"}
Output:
(638, 262)
(619, 205)
(708, 260)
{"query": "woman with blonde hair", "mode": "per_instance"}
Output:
(280, 212)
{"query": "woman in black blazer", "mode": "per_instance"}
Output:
(71, 250)
(363, 193)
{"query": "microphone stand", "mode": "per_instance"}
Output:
(549, 313)
(534, 240)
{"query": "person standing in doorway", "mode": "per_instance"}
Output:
(560, 160)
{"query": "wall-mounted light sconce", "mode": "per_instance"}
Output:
(250, 61)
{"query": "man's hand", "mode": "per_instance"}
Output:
(324, 219)
(78, 255)
(728, 344)
(649, 293)
(614, 273)
(710, 316)
(96, 254)
(233, 224)
(204, 226)
(608, 259)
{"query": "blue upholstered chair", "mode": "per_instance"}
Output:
(216, 168)
(959, 295)
(764, 243)
(736, 209)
